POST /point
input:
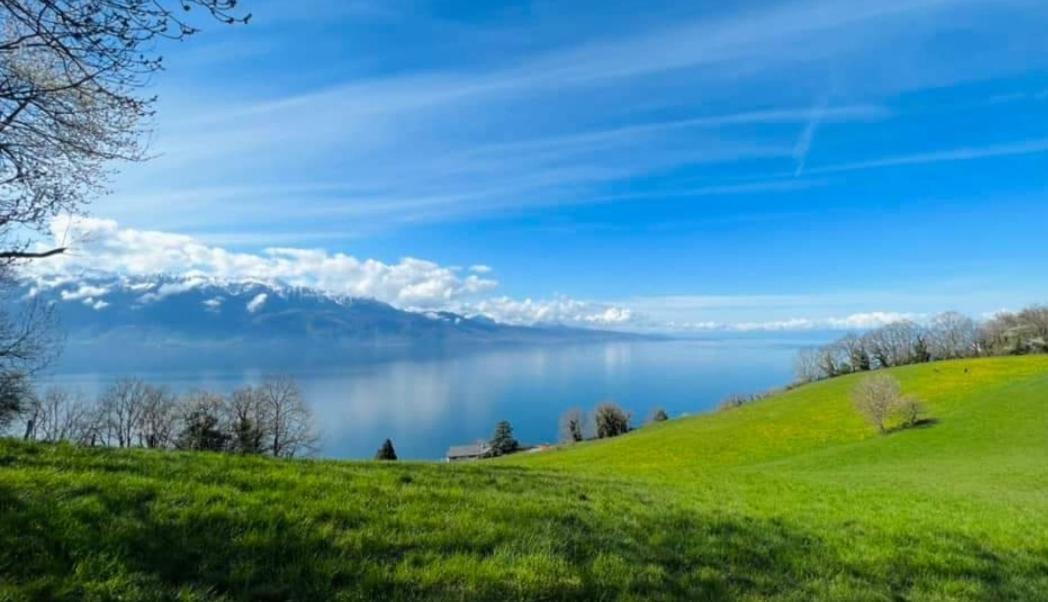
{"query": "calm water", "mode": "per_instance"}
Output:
(427, 404)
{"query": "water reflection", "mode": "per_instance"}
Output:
(428, 403)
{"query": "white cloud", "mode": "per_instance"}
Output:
(858, 321)
(991, 315)
(84, 292)
(102, 247)
(257, 302)
(172, 288)
(560, 310)
(863, 321)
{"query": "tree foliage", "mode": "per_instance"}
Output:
(386, 451)
(610, 420)
(202, 428)
(247, 421)
(503, 442)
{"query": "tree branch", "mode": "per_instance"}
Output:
(31, 255)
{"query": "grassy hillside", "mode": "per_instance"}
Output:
(793, 497)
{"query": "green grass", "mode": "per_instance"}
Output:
(793, 497)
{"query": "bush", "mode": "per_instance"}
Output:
(611, 420)
(659, 415)
(735, 400)
(908, 412)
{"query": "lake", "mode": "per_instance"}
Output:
(426, 403)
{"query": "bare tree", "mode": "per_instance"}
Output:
(289, 422)
(893, 344)
(156, 427)
(123, 407)
(72, 102)
(952, 335)
(807, 366)
(93, 426)
(834, 359)
(58, 415)
(855, 349)
(246, 417)
(1035, 318)
(1005, 334)
(879, 399)
(1017, 333)
(572, 425)
(875, 398)
(72, 78)
(27, 344)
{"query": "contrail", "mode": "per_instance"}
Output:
(804, 141)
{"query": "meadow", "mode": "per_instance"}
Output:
(793, 497)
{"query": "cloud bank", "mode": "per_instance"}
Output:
(856, 321)
(101, 248)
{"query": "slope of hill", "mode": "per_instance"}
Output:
(792, 497)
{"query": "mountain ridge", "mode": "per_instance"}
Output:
(189, 310)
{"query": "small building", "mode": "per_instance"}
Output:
(474, 451)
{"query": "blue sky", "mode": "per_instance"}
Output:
(696, 164)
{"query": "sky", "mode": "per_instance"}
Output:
(675, 166)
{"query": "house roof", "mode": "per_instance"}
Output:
(472, 450)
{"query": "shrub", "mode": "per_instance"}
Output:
(908, 412)
(611, 420)
(659, 415)
(735, 400)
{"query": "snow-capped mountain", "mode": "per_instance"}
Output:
(119, 314)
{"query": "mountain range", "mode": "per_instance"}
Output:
(120, 319)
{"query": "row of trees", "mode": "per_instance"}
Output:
(950, 335)
(271, 418)
(607, 420)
